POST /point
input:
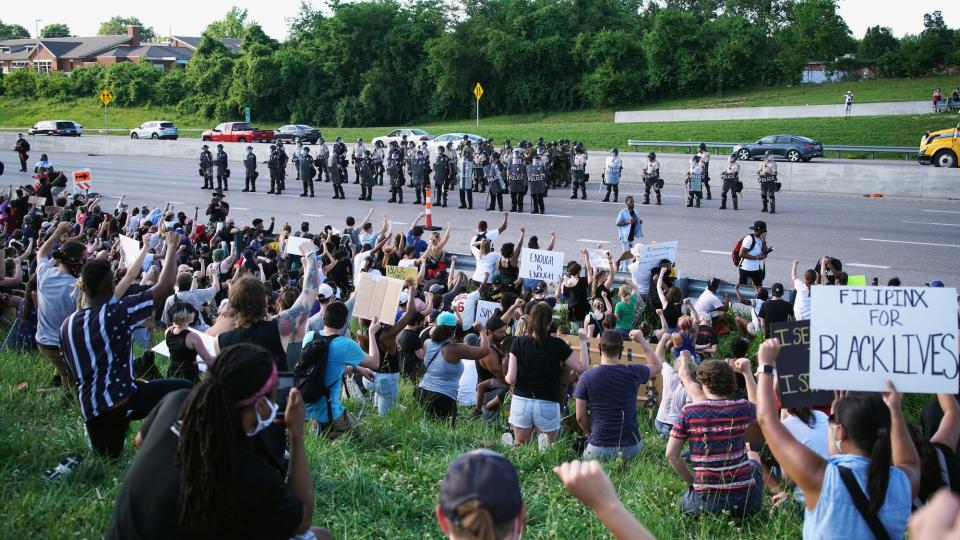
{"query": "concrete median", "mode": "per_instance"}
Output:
(848, 177)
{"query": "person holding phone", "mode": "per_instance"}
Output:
(173, 488)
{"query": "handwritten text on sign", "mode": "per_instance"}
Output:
(793, 366)
(541, 265)
(862, 336)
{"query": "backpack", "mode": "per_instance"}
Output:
(310, 373)
(735, 254)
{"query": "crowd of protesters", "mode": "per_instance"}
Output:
(242, 315)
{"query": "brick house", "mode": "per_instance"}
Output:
(66, 54)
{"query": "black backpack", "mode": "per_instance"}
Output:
(310, 373)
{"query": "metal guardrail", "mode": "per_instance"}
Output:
(909, 152)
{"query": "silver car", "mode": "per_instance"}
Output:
(156, 129)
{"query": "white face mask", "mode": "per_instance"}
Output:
(263, 423)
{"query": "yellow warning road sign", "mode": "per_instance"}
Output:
(106, 97)
(478, 91)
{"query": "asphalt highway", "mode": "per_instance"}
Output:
(915, 239)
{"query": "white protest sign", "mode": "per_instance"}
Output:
(652, 254)
(862, 336)
(294, 243)
(541, 265)
(377, 296)
(599, 258)
(485, 311)
(208, 343)
(130, 249)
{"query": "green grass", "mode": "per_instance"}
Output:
(384, 486)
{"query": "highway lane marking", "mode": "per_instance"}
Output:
(928, 223)
(589, 241)
(942, 211)
(176, 202)
(312, 215)
(544, 215)
(240, 208)
(714, 252)
(862, 265)
(908, 242)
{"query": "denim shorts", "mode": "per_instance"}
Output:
(526, 413)
(610, 452)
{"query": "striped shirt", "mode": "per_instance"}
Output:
(715, 431)
(95, 343)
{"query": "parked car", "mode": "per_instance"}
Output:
(296, 133)
(940, 148)
(415, 135)
(155, 129)
(61, 128)
(455, 138)
(792, 147)
(240, 132)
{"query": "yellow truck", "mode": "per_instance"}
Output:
(940, 148)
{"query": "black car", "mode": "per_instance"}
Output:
(62, 128)
(296, 133)
(791, 147)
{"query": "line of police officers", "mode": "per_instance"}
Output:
(532, 168)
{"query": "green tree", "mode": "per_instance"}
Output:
(21, 83)
(877, 41)
(88, 81)
(117, 26)
(233, 25)
(13, 31)
(674, 47)
(55, 30)
(54, 85)
(132, 83)
(207, 80)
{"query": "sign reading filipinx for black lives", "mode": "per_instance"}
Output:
(860, 337)
(793, 366)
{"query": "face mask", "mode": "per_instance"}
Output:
(263, 423)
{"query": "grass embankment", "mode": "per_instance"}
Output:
(384, 486)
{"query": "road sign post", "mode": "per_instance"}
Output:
(246, 114)
(106, 98)
(478, 93)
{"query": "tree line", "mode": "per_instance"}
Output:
(386, 62)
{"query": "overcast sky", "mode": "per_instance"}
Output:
(189, 17)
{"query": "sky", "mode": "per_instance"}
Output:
(189, 17)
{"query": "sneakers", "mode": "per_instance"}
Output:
(63, 468)
(507, 439)
(543, 442)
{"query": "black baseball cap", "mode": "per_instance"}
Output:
(487, 477)
(494, 324)
(759, 226)
(777, 289)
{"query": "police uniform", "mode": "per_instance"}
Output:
(338, 169)
(651, 178)
(378, 156)
(358, 151)
(731, 183)
(612, 170)
(366, 169)
(320, 161)
(250, 164)
(282, 160)
(495, 172)
(306, 172)
(538, 184)
(441, 173)
(418, 168)
(767, 175)
(273, 164)
(578, 170)
(695, 183)
(297, 154)
(517, 181)
(705, 163)
(395, 172)
(466, 175)
(479, 163)
(223, 173)
(206, 167)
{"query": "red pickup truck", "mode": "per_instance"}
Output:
(237, 132)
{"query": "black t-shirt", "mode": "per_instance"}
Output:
(146, 504)
(776, 310)
(408, 343)
(539, 367)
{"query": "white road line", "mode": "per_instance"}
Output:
(713, 252)
(589, 241)
(861, 265)
(928, 223)
(176, 202)
(907, 242)
(543, 215)
(240, 208)
(313, 215)
(942, 211)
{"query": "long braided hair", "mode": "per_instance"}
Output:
(210, 433)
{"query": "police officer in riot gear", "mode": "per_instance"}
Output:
(418, 168)
(378, 156)
(297, 154)
(223, 173)
(694, 182)
(273, 164)
(395, 172)
(466, 174)
(366, 170)
(441, 175)
(612, 170)
(206, 167)
(496, 184)
(731, 182)
(705, 164)
(250, 164)
(517, 180)
(320, 161)
(651, 178)
(305, 168)
(767, 175)
(578, 170)
(538, 184)
(283, 159)
(358, 151)
(340, 159)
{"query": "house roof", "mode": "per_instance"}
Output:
(67, 48)
(150, 52)
(194, 42)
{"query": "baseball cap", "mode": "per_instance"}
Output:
(935, 283)
(404, 298)
(484, 476)
(436, 288)
(540, 287)
(325, 291)
(777, 289)
(713, 283)
(759, 226)
(472, 340)
(494, 324)
(446, 319)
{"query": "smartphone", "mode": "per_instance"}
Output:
(284, 384)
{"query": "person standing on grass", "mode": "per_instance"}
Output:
(607, 400)
(871, 457)
(174, 489)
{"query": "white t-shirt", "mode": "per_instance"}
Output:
(708, 303)
(467, 392)
(407, 263)
(754, 247)
(486, 264)
(801, 305)
(640, 281)
(814, 438)
(358, 260)
(674, 396)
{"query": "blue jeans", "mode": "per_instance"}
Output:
(386, 386)
(610, 452)
(739, 502)
(663, 429)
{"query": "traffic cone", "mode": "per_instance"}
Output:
(429, 218)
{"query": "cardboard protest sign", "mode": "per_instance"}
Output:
(208, 343)
(294, 243)
(793, 366)
(377, 296)
(862, 336)
(599, 258)
(402, 273)
(857, 281)
(541, 265)
(37, 201)
(485, 311)
(130, 249)
(652, 254)
(632, 352)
